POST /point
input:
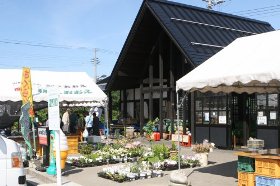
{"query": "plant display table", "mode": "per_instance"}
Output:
(257, 168)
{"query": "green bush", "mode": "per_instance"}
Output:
(86, 149)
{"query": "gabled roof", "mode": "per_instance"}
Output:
(198, 33)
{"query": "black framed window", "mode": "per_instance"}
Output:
(211, 108)
(267, 109)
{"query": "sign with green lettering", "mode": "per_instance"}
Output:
(53, 109)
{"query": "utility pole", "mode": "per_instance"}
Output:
(95, 61)
(212, 3)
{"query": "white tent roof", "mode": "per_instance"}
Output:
(249, 64)
(73, 86)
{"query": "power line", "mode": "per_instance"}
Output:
(258, 12)
(44, 45)
(255, 9)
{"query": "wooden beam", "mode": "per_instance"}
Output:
(110, 108)
(141, 108)
(151, 80)
(172, 86)
(161, 85)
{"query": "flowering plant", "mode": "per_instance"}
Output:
(204, 147)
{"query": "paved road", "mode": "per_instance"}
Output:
(221, 171)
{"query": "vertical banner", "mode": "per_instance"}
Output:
(26, 89)
(27, 99)
(25, 123)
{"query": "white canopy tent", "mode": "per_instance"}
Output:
(73, 86)
(249, 64)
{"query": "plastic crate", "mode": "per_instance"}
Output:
(266, 181)
(268, 167)
(246, 179)
(246, 164)
(255, 144)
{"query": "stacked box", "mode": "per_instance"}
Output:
(266, 181)
(246, 164)
(246, 179)
(73, 143)
(268, 167)
(255, 144)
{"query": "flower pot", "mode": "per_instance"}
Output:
(165, 136)
(203, 159)
(173, 153)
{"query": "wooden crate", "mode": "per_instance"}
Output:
(73, 143)
(268, 167)
(246, 179)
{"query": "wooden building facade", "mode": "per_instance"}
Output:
(167, 40)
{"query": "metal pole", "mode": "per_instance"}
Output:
(58, 165)
(179, 149)
(106, 118)
(95, 66)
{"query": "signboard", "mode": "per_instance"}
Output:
(186, 138)
(174, 137)
(43, 136)
(53, 109)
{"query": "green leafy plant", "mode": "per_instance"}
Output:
(149, 127)
(86, 149)
(173, 146)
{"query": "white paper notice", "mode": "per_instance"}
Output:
(222, 119)
(272, 115)
(206, 116)
(262, 120)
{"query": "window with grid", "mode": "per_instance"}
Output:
(211, 108)
(267, 109)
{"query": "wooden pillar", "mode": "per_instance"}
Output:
(184, 114)
(124, 103)
(141, 108)
(110, 108)
(161, 87)
(172, 86)
(151, 74)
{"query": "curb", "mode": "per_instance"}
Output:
(47, 180)
(42, 176)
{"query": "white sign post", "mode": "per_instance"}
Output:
(54, 124)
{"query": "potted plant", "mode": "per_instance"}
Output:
(202, 150)
(173, 151)
(149, 128)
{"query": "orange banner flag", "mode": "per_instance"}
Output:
(26, 89)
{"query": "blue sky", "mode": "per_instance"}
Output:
(60, 35)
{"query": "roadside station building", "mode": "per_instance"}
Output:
(166, 41)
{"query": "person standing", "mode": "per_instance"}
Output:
(89, 122)
(66, 121)
(95, 126)
(73, 122)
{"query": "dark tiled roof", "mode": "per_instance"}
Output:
(198, 33)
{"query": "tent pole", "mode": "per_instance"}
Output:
(178, 132)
